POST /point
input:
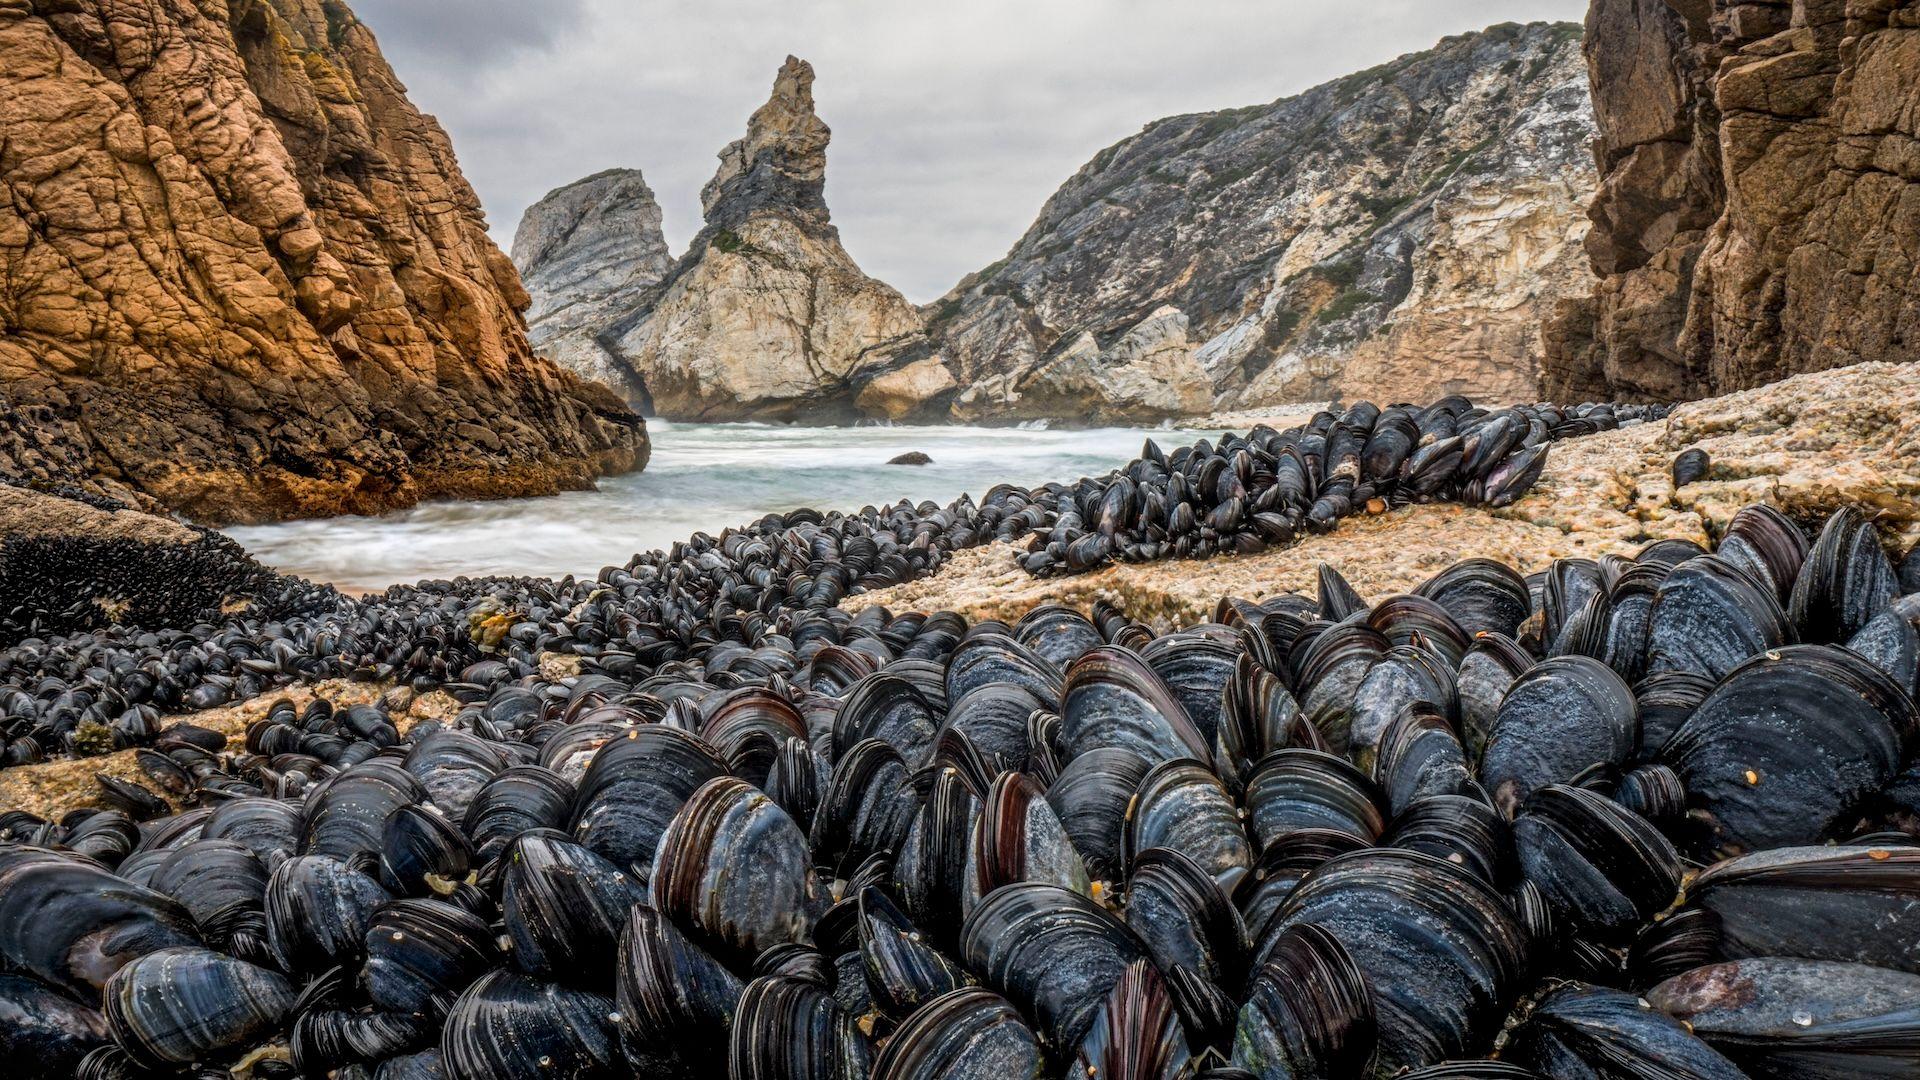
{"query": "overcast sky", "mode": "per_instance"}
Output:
(953, 120)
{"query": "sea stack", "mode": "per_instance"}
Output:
(245, 279)
(766, 317)
(588, 253)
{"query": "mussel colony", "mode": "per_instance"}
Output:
(70, 685)
(1628, 818)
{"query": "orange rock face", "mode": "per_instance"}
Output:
(241, 276)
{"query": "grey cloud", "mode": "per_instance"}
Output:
(952, 121)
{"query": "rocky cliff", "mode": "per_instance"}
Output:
(1761, 195)
(242, 277)
(587, 254)
(1399, 233)
(766, 316)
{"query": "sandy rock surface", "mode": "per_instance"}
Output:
(52, 788)
(1806, 445)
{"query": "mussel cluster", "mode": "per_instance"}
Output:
(1650, 817)
(69, 685)
(1270, 487)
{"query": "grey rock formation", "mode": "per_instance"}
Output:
(766, 316)
(587, 253)
(1398, 233)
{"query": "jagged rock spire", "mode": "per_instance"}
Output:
(781, 163)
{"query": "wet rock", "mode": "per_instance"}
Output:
(912, 457)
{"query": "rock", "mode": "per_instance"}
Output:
(912, 457)
(1148, 375)
(1808, 446)
(907, 393)
(242, 277)
(587, 253)
(766, 317)
(1397, 234)
(1759, 196)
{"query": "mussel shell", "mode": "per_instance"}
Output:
(1180, 912)
(1307, 789)
(1602, 868)
(1054, 953)
(1308, 1011)
(1113, 698)
(1856, 903)
(969, 1032)
(674, 998)
(791, 1029)
(223, 884)
(564, 907)
(902, 971)
(1091, 797)
(1743, 753)
(71, 924)
(735, 867)
(1017, 837)
(1846, 580)
(185, 1004)
(1792, 1019)
(1440, 950)
(1059, 634)
(421, 954)
(1709, 616)
(1592, 1033)
(1136, 1035)
(1690, 467)
(510, 1024)
(518, 799)
(318, 910)
(1183, 806)
(420, 850)
(44, 1033)
(1565, 715)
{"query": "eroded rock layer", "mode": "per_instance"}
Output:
(1761, 195)
(242, 277)
(1397, 234)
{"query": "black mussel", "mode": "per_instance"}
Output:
(343, 817)
(1482, 596)
(902, 971)
(1420, 757)
(734, 867)
(869, 807)
(43, 1033)
(1751, 782)
(516, 800)
(1709, 616)
(1565, 715)
(1054, 953)
(1846, 580)
(1281, 866)
(318, 910)
(1091, 798)
(1790, 1019)
(1910, 571)
(1891, 640)
(1487, 672)
(270, 828)
(1690, 467)
(186, 1004)
(969, 1032)
(1059, 634)
(1137, 1033)
(1591, 1033)
(1017, 837)
(1307, 789)
(1440, 950)
(1184, 918)
(791, 1029)
(1859, 903)
(1113, 698)
(886, 707)
(510, 1024)
(564, 908)
(635, 785)
(1308, 1011)
(1338, 600)
(1471, 1070)
(1463, 829)
(1666, 700)
(998, 658)
(422, 954)
(422, 852)
(1602, 868)
(1408, 675)
(1767, 545)
(71, 924)
(994, 719)
(676, 1003)
(1182, 805)
(223, 884)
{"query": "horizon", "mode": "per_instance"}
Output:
(941, 157)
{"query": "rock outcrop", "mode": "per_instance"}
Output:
(242, 277)
(587, 254)
(1399, 233)
(766, 316)
(1760, 196)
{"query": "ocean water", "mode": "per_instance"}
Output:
(703, 477)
